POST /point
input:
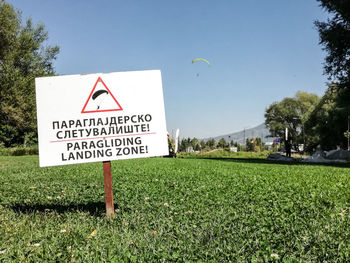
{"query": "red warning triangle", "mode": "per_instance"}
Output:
(101, 99)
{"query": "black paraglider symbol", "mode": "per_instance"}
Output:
(99, 96)
(101, 99)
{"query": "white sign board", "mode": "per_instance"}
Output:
(100, 117)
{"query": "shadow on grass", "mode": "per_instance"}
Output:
(265, 161)
(94, 208)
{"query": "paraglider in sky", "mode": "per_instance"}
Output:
(99, 96)
(201, 59)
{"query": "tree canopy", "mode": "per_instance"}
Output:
(290, 113)
(23, 57)
(328, 121)
(335, 38)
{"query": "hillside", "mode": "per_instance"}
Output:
(258, 131)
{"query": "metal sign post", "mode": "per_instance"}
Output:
(108, 189)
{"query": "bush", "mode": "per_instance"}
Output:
(19, 151)
(225, 153)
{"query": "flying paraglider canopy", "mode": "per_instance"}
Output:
(201, 59)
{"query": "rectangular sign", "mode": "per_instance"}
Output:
(100, 117)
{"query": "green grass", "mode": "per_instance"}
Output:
(175, 210)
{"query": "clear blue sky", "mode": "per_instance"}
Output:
(260, 52)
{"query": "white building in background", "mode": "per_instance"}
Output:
(189, 149)
(268, 145)
(233, 149)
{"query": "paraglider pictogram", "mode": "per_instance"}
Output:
(101, 99)
(98, 97)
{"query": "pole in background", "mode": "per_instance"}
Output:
(177, 140)
(245, 146)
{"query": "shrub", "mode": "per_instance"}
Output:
(19, 151)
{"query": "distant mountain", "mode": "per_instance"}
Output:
(260, 131)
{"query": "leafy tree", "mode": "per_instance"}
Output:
(257, 148)
(327, 122)
(259, 145)
(254, 145)
(195, 144)
(185, 143)
(290, 113)
(249, 145)
(222, 143)
(211, 143)
(202, 144)
(23, 57)
(280, 115)
(335, 37)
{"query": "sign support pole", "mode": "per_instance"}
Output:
(108, 189)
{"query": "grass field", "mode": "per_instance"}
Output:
(175, 210)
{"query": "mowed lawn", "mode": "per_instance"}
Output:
(175, 210)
